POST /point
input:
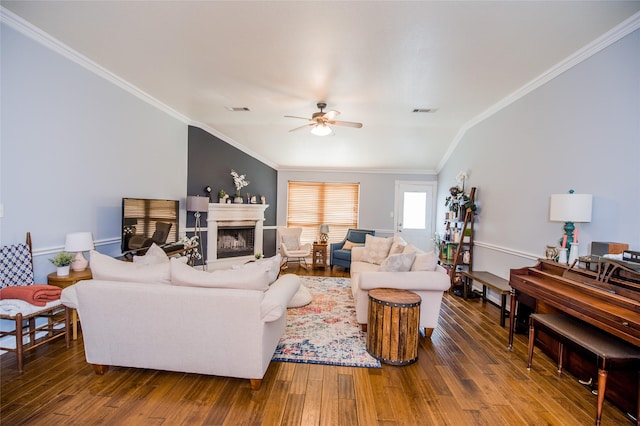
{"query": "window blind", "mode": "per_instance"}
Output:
(310, 204)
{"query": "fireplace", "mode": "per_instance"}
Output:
(234, 233)
(235, 241)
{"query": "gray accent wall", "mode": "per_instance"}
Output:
(210, 164)
(579, 131)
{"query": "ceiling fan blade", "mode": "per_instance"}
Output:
(303, 127)
(301, 118)
(346, 123)
(331, 114)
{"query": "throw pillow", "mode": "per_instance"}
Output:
(398, 245)
(410, 248)
(153, 256)
(246, 278)
(376, 249)
(291, 242)
(107, 268)
(425, 262)
(348, 245)
(301, 298)
(399, 262)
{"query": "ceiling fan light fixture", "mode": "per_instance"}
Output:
(321, 130)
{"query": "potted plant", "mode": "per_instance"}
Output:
(62, 261)
(222, 196)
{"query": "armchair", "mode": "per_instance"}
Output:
(290, 247)
(342, 257)
(159, 237)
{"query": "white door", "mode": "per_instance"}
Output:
(415, 213)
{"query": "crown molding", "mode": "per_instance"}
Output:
(625, 28)
(355, 170)
(36, 34)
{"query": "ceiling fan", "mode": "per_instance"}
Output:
(320, 121)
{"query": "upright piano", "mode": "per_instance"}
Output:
(603, 293)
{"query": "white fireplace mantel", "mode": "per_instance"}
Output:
(221, 215)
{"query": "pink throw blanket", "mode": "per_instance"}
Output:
(37, 294)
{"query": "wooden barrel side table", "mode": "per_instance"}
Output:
(394, 321)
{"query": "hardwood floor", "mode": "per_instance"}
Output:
(464, 376)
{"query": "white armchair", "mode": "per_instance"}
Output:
(290, 247)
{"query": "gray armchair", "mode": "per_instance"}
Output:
(342, 257)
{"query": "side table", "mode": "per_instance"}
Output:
(62, 282)
(320, 255)
(392, 330)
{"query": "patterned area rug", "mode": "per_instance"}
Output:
(325, 331)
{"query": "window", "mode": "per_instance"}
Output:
(310, 204)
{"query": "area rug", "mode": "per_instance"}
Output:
(326, 330)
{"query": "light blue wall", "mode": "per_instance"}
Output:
(377, 192)
(73, 144)
(579, 131)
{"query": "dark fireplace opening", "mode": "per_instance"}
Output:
(234, 241)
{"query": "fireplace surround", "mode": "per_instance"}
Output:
(234, 233)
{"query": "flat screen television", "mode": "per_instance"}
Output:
(145, 221)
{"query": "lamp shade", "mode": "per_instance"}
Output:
(321, 130)
(196, 203)
(324, 228)
(570, 207)
(78, 241)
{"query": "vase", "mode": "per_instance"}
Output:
(222, 200)
(562, 256)
(62, 271)
(551, 252)
(573, 253)
(238, 199)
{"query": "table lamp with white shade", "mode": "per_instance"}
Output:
(79, 242)
(570, 208)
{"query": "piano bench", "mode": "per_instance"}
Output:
(494, 282)
(606, 347)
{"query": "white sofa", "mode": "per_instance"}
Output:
(429, 285)
(219, 331)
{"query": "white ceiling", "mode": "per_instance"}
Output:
(375, 61)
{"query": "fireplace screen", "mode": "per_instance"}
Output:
(235, 241)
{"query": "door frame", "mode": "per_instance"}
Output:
(398, 199)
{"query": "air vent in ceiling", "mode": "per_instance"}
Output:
(238, 109)
(425, 110)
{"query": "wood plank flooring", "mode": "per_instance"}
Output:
(464, 376)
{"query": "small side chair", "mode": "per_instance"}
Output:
(16, 264)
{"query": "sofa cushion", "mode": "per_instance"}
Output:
(270, 264)
(425, 261)
(153, 256)
(246, 278)
(107, 268)
(348, 245)
(376, 249)
(399, 262)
